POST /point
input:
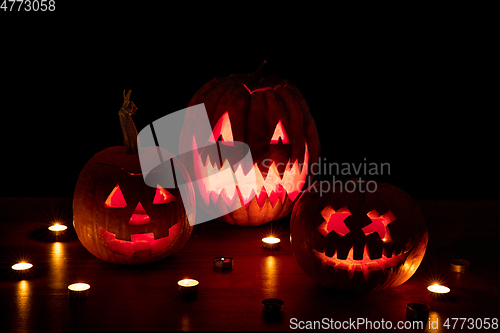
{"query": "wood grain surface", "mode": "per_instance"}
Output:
(145, 298)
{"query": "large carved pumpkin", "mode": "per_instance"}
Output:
(358, 241)
(272, 118)
(117, 217)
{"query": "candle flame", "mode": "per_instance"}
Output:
(188, 283)
(58, 227)
(78, 287)
(271, 240)
(436, 288)
(22, 266)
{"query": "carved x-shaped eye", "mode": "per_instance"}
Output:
(334, 220)
(379, 225)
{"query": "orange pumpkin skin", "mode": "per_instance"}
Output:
(94, 222)
(254, 107)
(358, 241)
(117, 217)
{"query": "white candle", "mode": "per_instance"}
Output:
(436, 288)
(438, 291)
(78, 290)
(271, 243)
(22, 266)
(188, 286)
(57, 227)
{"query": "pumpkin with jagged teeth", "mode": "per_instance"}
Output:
(272, 118)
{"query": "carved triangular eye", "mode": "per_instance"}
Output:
(223, 129)
(279, 132)
(162, 196)
(334, 221)
(115, 199)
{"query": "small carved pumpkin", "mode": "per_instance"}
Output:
(358, 241)
(272, 118)
(117, 217)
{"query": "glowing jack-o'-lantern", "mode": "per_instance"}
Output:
(358, 241)
(272, 118)
(117, 217)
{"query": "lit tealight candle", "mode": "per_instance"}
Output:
(188, 286)
(78, 290)
(437, 291)
(57, 227)
(271, 243)
(22, 266)
(223, 262)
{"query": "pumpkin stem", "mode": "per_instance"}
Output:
(128, 127)
(261, 68)
(257, 75)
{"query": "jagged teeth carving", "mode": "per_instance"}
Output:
(215, 182)
(366, 265)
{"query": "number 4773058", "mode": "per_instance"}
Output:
(471, 323)
(28, 5)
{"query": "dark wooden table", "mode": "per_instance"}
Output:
(145, 298)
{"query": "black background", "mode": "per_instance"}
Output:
(419, 93)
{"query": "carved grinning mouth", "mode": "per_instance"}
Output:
(139, 242)
(215, 182)
(366, 265)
